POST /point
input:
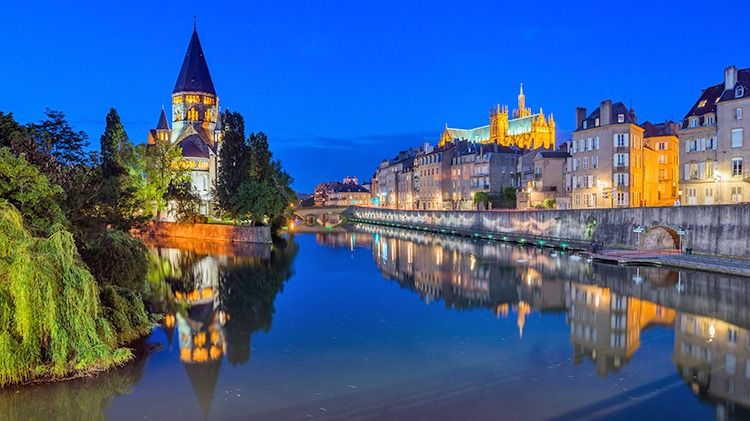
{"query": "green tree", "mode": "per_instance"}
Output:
(234, 162)
(550, 203)
(28, 190)
(118, 196)
(54, 136)
(116, 149)
(164, 166)
(186, 201)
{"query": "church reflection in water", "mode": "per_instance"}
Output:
(213, 299)
(606, 307)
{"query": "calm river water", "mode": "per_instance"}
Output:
(380, 323)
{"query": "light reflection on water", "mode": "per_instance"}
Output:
(384, 323)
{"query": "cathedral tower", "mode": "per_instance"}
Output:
(194, 101)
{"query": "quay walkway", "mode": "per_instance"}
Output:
(725, 265)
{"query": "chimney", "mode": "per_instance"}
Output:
(605, 112)
(580, 116)
(730, 77)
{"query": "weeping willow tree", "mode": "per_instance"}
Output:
(53, 321)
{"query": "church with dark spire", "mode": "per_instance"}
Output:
(195, 121)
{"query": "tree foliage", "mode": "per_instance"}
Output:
(251, 186)
(234, 162)
(52, 322)
(27, 189)
(164, 166)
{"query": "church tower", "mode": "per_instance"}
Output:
(194, 101)
(521, 111)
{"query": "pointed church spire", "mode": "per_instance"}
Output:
(194, 75)
(162, 125)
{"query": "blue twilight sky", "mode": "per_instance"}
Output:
(340, 85)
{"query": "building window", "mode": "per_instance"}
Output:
(736, 195)
(691, 195)
(737, 138)
(192, 114)
(693, 123)
(712, 143)
(594, 162)
(596, 143)
(620, 118)
(622, 199)
(709, 197)
(739, 92)
(585, 124)
(736, 167)
(621, 159)
(709, 120)
(738, 114)
(596, 122)
(702, 103)
(621, 140)
(621, 179)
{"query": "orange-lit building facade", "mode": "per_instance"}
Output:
(662, 163)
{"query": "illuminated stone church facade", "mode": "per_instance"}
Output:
(195, 124)
(523, 128)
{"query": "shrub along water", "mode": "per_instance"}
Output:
(52, 321)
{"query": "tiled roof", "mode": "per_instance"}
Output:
(193, 146)
(617, 108)
(554, 154)
(743, 80)
(660, 129)
(162, 124)
(194, 75)
(705, 104)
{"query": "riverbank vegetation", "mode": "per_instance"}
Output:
(251, 186)
(71, 276)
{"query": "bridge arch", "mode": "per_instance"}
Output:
(660, 238)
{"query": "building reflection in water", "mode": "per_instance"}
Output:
(214, 299)
(606, 307)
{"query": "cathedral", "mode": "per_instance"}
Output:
(195, 121)
(521, 129)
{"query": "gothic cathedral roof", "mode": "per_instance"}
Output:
(194, 75)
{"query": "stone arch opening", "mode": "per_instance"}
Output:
(660, 238)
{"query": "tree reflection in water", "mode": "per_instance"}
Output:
(211, 297)
(80, 399)
(216, 297)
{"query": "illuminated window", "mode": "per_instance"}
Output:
(177, 99)
(620, 118)
(192, 114)
(208, 100)
(702, 103)
(208, 116)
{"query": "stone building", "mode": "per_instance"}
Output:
(432, 177)
(348, 192)
(522, 129)
(714, 152)
(474, 168)
(393, 181)
(542, 175)
(195, 122)
(606, 166)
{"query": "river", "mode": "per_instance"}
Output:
(378, 323)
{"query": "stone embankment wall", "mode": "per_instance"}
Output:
(717, 229)
(209, 232)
